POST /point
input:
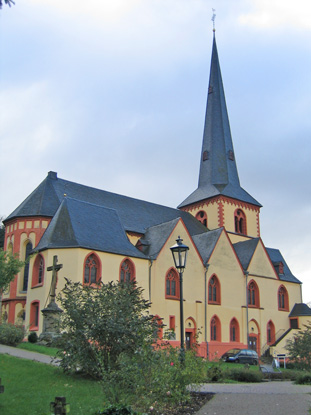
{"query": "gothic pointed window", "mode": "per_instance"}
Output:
(283, 299)
(201, 216)
(270, 333)
(234, 331)
(214, 290)
(91, 270)
(172, 284)
(215, 329)
(240, 222)
(26, 267)
(38, 271)
(253, 294)
(127, 271)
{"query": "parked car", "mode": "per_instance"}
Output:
(241, 356)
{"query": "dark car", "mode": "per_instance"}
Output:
(241, 356)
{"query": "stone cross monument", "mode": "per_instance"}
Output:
(51, 313)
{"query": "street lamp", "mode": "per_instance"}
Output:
(179, 252)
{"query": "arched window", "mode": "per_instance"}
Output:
(240, 222)
(34, 316)
(283, 299)
(172, 284)
(213, 290)
(91, 270)
(201, 216)
(234, 331)
(38, 271)
(127, 271)
(253, 294)
(26, 267)
(215, 329)
(270, 333)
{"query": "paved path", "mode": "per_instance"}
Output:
(275, 398)
(25, 354)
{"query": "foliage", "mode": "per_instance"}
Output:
(299, 348)
(214, 372)
(33, 337)
(10, 265)
(10, 334)
(8, 2)
(2, 233)
(303, 379)
(245, 375)
(118, 410)
(102, 323)
(153, 378)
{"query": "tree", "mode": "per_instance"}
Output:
(10, 265)
(8, 2)
(102, 323)
(299, 348)
(2, 233)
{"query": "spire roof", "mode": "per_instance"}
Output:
(218, 169)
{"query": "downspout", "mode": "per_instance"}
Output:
(150, 266)
(246, 273)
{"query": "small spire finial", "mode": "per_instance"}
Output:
(213, 19)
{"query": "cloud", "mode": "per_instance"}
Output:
(278, 14)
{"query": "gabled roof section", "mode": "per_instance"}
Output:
(245, 251)
(135, 215)
(43, 201)
(85, 225)
(156, 236)
(206, 242)
(299, 310)
(276, 257)
(218, 169)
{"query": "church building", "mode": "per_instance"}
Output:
(237, 292)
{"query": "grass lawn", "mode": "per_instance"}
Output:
(33, 347)
(29, 387)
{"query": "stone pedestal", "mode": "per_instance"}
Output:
(51, 330)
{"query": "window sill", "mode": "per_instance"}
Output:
(37, 285)
(214, 303)
(283, 309)
(167, 297)
(34, 328)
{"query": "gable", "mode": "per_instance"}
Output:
(260, 263)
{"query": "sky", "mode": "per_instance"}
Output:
(112, 94)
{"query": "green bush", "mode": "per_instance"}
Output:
(10, 334)
(303, 379)
(33, 337)
(214, 373)
(245, 375)
(118, 410)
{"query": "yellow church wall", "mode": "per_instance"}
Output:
(73, 260)
(193, 284)
(251, 218)
(235, 237)
(260, 263)
(211, 209)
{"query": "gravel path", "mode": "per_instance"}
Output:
(275, 398)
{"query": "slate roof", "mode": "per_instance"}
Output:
(135, 215)
(218, 169)
(156, 236)
(245, 251)
(206, 242)
(85, 225)
(276, 257)
(300, 309)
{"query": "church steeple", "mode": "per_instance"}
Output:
(218, 169)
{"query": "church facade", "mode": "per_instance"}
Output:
(237, 292)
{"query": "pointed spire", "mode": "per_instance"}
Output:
(218, 169)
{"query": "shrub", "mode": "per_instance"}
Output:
(299, 348)
(10, 334)
(33, 337)
(118, 410)
(214, 373)
(244, 375)
(303, 379)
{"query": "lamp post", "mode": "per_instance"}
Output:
(179, 252)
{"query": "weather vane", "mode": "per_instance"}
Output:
(213, 19)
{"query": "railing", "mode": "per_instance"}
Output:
(267, 346)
